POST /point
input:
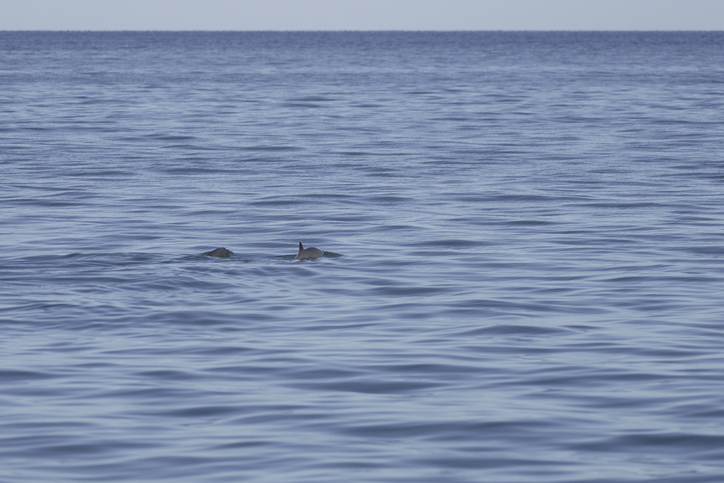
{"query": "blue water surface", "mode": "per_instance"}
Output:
(523, 270)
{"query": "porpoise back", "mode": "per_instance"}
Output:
(305, 253)
(219, 252)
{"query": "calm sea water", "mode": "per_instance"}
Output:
(523, 278)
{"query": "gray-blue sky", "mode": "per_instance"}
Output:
(362, 15)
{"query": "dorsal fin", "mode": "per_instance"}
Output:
(300, 247)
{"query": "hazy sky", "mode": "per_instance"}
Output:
(361, 14)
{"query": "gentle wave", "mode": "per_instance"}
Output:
(521, 277)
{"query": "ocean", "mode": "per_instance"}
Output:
(523, 270)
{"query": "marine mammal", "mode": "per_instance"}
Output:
(219, 252)
(310, 252)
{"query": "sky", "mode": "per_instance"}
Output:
(361, 14)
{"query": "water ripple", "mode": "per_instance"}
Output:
(521, 277)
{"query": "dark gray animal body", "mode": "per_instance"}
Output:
(219, 252)
(311, 252)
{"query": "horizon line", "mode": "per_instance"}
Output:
(359, 30)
